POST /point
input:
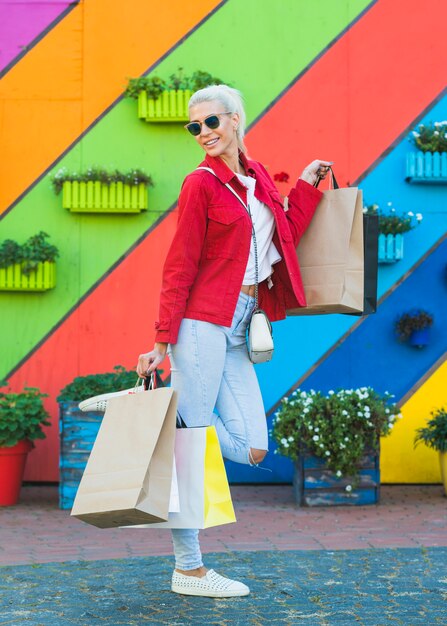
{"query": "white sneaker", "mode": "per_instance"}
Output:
(99, 403)
(212, 585)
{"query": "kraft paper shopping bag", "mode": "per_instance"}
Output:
(205, 498)
(128, 476)
(331, 255)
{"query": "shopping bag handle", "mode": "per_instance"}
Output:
(334, 180)
(153, 381)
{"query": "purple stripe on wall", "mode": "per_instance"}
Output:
(21, 21)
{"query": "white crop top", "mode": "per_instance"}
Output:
(264, 225)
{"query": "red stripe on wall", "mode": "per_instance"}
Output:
(355, 101)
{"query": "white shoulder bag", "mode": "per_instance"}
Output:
(259, 331)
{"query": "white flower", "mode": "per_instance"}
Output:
(338, 473)
(290, 439)
(321, 445)
(310, 427)
(436, 132)
(410, 214)
(346, 438)
(390, 425)
(286, 445)
(317, 430)
(344, 412)
(369, 423)
(387, 411)
(389, 203)
(365, 209)
(419, 215)
(342, 446)
(348, 488)
(359, 413)
(285, 399)
(415, 134)
(399, 416)
(303, 394)
(327, 453)
(305, 410)
(315, 437)
(283, 441)
(331, 392)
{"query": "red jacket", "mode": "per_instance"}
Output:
(206, 261)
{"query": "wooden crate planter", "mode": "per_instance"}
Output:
(78, 432)
(315, 485)
(170, 106)
(427, 167)
(391, 248)
(41, 279)
(97, 197)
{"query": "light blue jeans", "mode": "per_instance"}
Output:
(217, 385)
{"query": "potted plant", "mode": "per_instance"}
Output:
(428, 164)
(161, 100)
(29, 266)
(434, 435)
(334, 440)
(392, 226)
(78, 430)
(22, 416)
(98, 190)
(414, 327)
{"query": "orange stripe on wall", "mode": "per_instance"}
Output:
(48, 99)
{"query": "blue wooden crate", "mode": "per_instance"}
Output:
(427, 168)
(315, 485)
(78, 432)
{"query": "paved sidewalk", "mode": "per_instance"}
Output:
(36, 531)
(383, 565)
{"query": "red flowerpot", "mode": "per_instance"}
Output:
(12, 466)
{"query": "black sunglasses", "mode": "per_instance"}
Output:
(212, 121)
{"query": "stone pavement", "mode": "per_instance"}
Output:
(375, 565)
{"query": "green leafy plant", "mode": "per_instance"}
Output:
(391, 222)
(22, 416)
(408, 322)
(434, 435)
(154, 86)
(104, 176)
(337, 427)
(430, 137)
(83, 387)
(35, 250)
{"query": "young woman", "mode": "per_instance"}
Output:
(207, 297)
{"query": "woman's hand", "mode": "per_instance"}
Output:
(149, 361)
(314, 170)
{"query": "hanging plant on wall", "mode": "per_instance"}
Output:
(428, 164)
(29, 266)
(98, 190)
(161, 100)
(414, 327)
(392, 226)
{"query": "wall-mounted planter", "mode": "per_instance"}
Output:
(391, 248)
(78, 432)
(427, 167)
(170, 106)
(419, 338)
(41, 279)
(315, 485)
(97, 197)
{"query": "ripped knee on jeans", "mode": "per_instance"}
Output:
(256, 456)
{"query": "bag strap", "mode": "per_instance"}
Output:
(334, 180)
(253, 232)
(152, 382)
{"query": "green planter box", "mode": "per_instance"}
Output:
(41, 279)
(171, 106)
(427, 168)
(315, 485)
(391, 248)
(97, 197)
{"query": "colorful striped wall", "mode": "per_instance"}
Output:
(344, 81)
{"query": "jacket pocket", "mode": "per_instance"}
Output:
(225, 228)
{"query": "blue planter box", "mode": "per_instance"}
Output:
(391, 248)
(315, 485)
(427, 168)
(78, 432)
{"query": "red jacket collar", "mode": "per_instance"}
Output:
(221, 169)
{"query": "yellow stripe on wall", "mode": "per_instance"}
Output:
(400, 462)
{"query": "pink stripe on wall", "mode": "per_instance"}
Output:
(21, 21)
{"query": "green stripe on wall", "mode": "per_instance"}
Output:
(259, 47)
